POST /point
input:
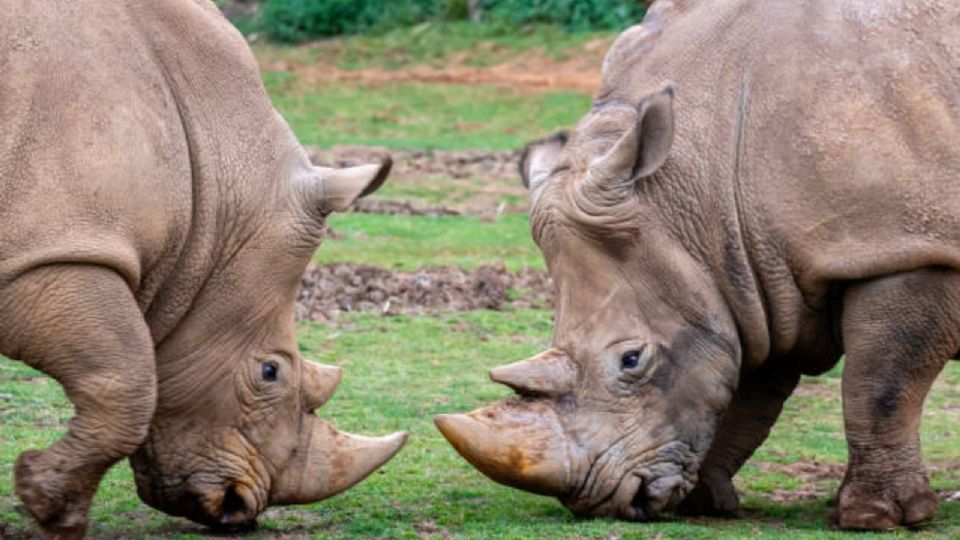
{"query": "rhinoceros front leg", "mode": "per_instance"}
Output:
(898, 333)
(80, 325)
(746, 424)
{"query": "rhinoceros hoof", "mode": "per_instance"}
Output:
(714, 495)
(52, 497)
(885, 505)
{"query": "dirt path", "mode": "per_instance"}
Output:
(528, 71)
(530, 81)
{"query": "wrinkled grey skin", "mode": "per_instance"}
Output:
(157, 215)
(759, 187)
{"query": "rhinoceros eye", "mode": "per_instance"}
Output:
(268, 370)
(631, 359)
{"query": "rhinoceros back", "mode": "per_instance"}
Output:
(130, 131)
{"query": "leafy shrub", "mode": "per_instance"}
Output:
(574, 15)
(291, 21)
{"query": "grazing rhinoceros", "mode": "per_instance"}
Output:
(157, 215)
(760, 187)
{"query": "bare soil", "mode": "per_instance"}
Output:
(400, 208)
(329, 290)
(531, 71)
(819, 479)
(474, 182)
(454, 163)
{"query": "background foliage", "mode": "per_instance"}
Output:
(292, 21)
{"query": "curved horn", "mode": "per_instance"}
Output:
(330, 461)
(318, 384)
(550, 373)
(340, 187)
(520, 445)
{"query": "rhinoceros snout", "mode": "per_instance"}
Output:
(232, 508)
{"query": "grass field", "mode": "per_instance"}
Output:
(401, 371)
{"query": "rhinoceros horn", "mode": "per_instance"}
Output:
(519, 444)
(338, 188)
(329, 461)
(550, 373)
(318, 384)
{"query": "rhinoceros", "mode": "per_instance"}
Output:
(157, 215)
(760, 187)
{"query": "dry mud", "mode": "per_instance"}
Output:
(501, 165)
(331, 289)
(471, 182)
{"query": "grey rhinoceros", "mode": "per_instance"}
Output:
(760, 187)
(157, 214)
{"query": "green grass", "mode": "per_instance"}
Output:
(326, 112)
(401, 371)
(416, 115)
(411, 242)
(436, 44)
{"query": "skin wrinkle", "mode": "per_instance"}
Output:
(591, 477)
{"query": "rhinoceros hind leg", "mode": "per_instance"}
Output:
(746, 424)
(80, 325)
(898, 332)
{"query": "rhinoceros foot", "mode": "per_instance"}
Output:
(885, 504)
(714, 495)
(56, 495)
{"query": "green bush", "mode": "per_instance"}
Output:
(574, 15)
(291, 21)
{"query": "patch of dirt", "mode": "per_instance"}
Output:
(802, 493)
(429, 529)
(808, 471)
(503, 75)
(813, 474)
(328, 290)
(454, 163)
(822, 479)
(400, 208)
(475, 182)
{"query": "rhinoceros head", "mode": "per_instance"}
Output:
(235, 429)
(616, 416)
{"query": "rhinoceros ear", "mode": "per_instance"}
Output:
(643, 148)
(539, 157)
(339, 188)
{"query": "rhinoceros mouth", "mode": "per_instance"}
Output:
(637, 497)
(648, 488)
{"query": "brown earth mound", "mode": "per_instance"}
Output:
(473, 182)
(531, 71)
(400, 208)
(453, 163)
(328, 290)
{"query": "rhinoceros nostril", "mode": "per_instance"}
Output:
(637, 505)
(233, 510)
